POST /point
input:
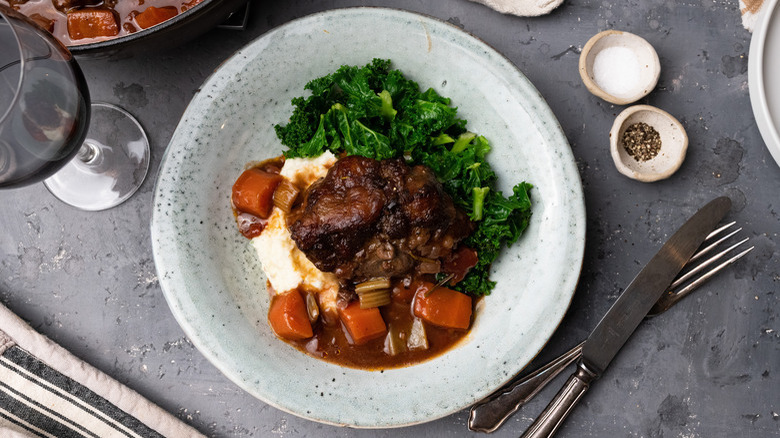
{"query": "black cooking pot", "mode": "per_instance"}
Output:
(166, 35)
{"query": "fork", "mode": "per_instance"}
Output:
(490, 413)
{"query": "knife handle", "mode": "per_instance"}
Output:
(548, 422)
(490, 413)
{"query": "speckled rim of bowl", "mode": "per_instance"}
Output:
(190, 226)
(674, 144)
(589, 52)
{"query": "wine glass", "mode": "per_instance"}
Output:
(92, 156)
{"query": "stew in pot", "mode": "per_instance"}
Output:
(76, 22)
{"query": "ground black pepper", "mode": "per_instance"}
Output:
(641, 141)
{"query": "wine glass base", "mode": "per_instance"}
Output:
(110, 166)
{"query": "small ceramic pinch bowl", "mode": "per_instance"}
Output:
(619, 67)
(674, 144)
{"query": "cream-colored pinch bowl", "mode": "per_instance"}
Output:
(627, 70)
(674, 144)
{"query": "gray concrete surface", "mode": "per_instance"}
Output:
(708, 368)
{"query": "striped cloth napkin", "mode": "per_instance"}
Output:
(45, 391)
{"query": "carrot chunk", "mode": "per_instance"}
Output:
(91, 23)
(404, 294)
(443, 307)
(362, 325)
(288, 318)
(253, 192)
(151, 16)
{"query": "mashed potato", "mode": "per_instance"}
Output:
(283, 263)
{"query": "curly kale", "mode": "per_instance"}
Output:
(376, 112)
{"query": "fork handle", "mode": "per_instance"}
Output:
(489, 414)
(548, 422)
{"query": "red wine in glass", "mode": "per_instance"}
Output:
(90, 155)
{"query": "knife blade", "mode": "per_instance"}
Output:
(622, 319)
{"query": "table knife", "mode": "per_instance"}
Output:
(627, 312)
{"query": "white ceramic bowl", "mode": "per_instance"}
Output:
(764, 76)
(215, 286)
(628, 71)
(674, 144)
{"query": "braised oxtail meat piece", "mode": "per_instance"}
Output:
(339, 212)
(369, 218)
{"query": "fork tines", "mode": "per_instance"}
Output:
(683, 285)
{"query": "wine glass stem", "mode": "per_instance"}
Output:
(88, 152)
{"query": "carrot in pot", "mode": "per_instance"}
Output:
(151, 16)
(443, 307)
(91, 23)
(288, 316)
(362, 325)
(253, 192)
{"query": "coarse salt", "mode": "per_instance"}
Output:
(616, 71)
